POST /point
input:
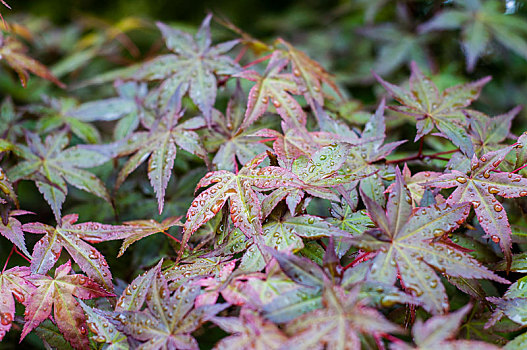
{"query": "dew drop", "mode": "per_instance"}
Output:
(461, 180)
(495, 239)
(493, 190)
(6, 318)
(498, 208)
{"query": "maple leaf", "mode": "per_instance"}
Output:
(282, 234)
(59, 293)
(46, 251)
(159, 145)
(234, 143)
(104, 331)
(367, 151)
(13, 282)
(319, 173)
(187, 269)
(480, 189)
(487, 134)
(412, 244)
(338, 325)
(192, 67)
(135, 294)
(308, 74)
(139, 229)
(513, 304)
(481, 21)
(12, 230)
(249, 331)
(432, 108)
(169, 320)
(11, 123)
(437, 331)
(276, 87)
(14, 53)
(414, 184)
(54, 114)
(50, 165)
(245, 207)
(127, 108)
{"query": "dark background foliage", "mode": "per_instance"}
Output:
(346, 37)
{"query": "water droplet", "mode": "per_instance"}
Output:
(277, 104)
(6, 318)
(438, 232)
(495, 239)
(498, 208)
(461, 180)
(493, 190)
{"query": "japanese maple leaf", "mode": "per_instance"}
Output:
(159, 145)
(12, 230)
(53, 115)
(308, 74)
(13, 53)
(13, 282)
(169, 320)
(320, 172)
(412, 244)
(480, 189)
(127, 108)
(139, 229)
(249, 331)
(58, 293)
(415, 182)
(438, 333)
(367, 150)
(181, 273)
(513, 304)
(338, 325)
(50, 165)
(71, 236)
(104, 331)
(281, 234)
(192, 67)
(432, 108)
(481, 21)
(230, 143)
(295, 142)
(487, 134)
(11, 122)
(276, 87)
(245, 207)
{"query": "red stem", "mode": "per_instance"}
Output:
(170, 236)
(360, 258)
(261, 59)
(520, 168)
(241, 54)
(22, 255)
(378, 341)
(9, 257)
(391, 338)
(421, 156)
